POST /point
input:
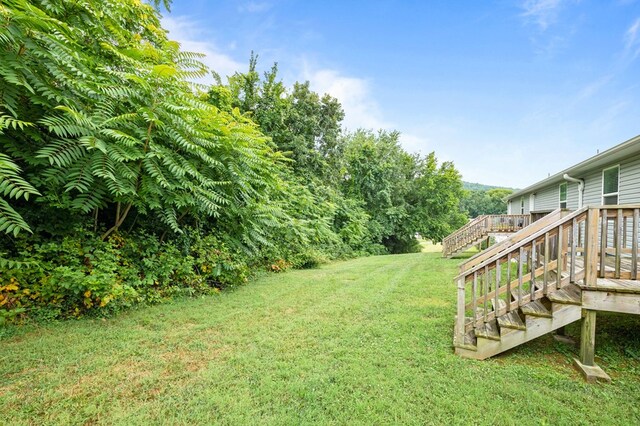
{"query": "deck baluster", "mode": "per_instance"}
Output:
(634, 245)
(497, 289)
(604, 236)
(485, 296)
(532, 270)
(520, 256)
(509, 282)
(545, 273)
(574, 246)
(474, 297)
(618, 240)
(461, 320)
(559, 257)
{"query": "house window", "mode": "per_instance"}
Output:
(563, 195)
(610, 185)
(522, 205)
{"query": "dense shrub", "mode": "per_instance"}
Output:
(77, 275)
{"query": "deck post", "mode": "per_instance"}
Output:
(460, 318)
(586, 364)
(588, 338)
(591, 248)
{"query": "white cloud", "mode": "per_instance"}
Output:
(591, 89)
(361, 109)
(192, 37)
(542, 12)
(414, 143)
(632, 39)
(254, 7)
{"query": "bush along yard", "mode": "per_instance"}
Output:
(364, 341)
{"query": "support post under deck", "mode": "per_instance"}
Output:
(586, 364)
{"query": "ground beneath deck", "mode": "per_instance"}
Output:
(366, 341)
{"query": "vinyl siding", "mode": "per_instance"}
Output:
(548, 198)
(593, 188)
(630, 181)
(572, 196)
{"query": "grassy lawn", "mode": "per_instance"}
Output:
(366, 341)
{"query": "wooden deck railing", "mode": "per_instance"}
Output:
(511, 240)
(481, 227)
(618, 240)
(587, 244)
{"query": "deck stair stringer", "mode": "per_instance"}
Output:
(471, 243)
(535, 326)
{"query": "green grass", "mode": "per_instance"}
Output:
(366, 341)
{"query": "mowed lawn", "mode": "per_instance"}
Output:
(366, 341)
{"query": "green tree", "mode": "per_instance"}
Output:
(404, 194)
(98, 115)
(300, 122)
(493, 201)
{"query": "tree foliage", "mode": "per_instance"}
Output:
(493, 201)
(404, 194)
(391, 195)
(131, 181)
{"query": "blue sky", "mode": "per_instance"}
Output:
(510, 90)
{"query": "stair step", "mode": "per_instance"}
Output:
(514, 294)
(536, 309)
(511, 320)
(536, 327)
(469, 342)
(570, 294)
(488, 330)
(501, 304)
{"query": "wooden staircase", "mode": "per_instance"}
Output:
(480, 229)
(531, 320)
(559, 270)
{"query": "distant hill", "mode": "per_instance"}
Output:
(471, 186)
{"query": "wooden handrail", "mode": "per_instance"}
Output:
(511, 239)
(524, 241)
(464, 227)
(480, 227)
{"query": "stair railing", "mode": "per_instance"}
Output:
(473, 229)
(482, 226)
(511, 240)
(527, 271)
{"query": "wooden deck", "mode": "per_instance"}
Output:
(616, 285)
(542, 279)
(613, 295)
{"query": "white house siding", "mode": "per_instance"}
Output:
(515, 204)
(572, 196)
(547, 198)
(593, 188)
(630, 181)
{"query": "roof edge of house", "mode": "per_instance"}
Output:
(558, 177)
